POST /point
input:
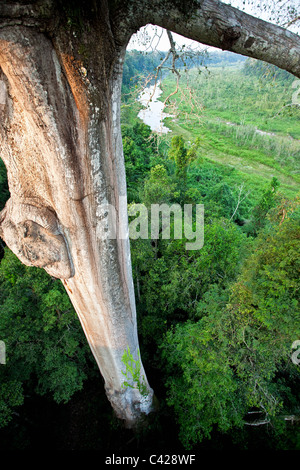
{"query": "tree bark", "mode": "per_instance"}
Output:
(61, 144)
(60, 137)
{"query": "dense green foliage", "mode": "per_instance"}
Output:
(223, 319)
(216, 325)
(236, 358)
(46, 350)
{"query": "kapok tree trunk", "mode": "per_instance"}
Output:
(61, 143)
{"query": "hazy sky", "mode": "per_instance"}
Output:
(152, 37)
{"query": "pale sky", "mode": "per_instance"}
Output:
(152, 37)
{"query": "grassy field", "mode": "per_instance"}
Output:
(243, 121)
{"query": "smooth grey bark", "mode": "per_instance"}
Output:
(60, 137)
(62, 146)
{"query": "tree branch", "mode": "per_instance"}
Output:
(216, 24)
(293, 21)
(171, 51)
(209, 22)
(240, 199)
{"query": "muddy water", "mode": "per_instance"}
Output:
(152, 114)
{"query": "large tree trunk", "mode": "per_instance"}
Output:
(60, 89)
(61, 143)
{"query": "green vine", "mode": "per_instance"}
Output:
(133, 369)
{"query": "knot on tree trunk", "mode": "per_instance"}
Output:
(230, 36)
(35, 236)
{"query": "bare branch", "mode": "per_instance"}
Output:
(240, 199)
(172, 51)
(293, 21)
(258, 423)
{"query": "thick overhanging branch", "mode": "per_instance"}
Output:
(216, 24)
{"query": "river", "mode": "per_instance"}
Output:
(152, 114)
